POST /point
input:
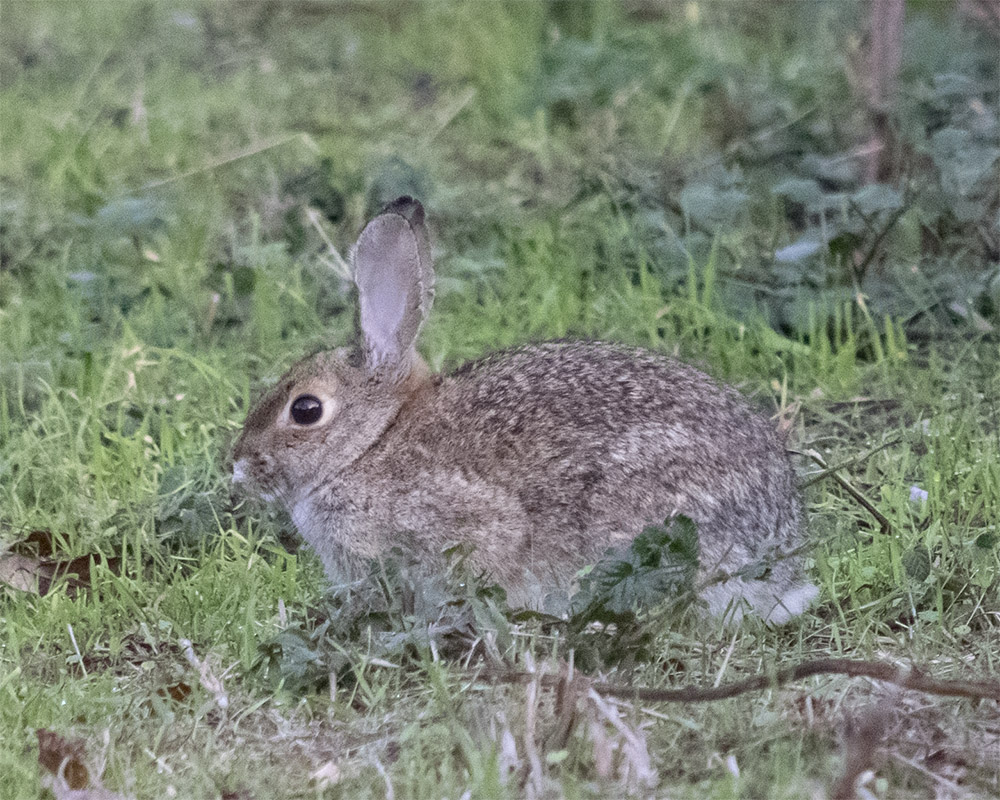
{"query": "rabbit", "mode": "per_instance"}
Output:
(537, 459)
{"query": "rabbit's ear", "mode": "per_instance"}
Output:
(395, 279)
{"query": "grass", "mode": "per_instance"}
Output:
(589, 172)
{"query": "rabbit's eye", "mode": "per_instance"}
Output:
(306, 409)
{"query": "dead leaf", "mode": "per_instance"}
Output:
(37, 543)
(64, 757)
(178, 692)
(30, 565)
(19, 572)
(70, 778)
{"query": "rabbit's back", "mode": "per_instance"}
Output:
(554, 452)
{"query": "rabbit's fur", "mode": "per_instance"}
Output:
(537, 459)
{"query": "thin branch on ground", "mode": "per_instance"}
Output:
(853, 461)
(857, 494)
(905, 677)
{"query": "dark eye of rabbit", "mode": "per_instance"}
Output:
(306, 409)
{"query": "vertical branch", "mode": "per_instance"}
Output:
(885, 39)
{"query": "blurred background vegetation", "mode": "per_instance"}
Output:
(183, 168)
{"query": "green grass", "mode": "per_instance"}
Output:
(590, 170)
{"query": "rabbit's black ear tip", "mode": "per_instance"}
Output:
(407, 208)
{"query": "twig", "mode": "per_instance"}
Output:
(568, 691)
(860, 269)
(907, 678)
(853, 461)
(855, 493)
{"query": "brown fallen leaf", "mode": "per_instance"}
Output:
(237, 794)
(63, 756)
(38, 542)
(31, 565)
(177, 692)
(70, 778)
(19, 572)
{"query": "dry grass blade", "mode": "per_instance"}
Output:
(535, 778)
(301, 138)
(209, 681)
(637, 761)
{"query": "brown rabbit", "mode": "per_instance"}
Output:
(537, 459)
